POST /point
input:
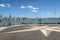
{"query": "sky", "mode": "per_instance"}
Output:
(30, 8)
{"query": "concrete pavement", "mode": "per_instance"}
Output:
(31, 33)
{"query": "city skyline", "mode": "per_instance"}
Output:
(30, 8)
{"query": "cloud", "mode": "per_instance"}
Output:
(22, 7)
(9, 5)
(33, 8)
(34, 11)
(2, 5)
(5, 5)
(30, 7)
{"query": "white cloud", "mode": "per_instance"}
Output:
(36, 8)
(31, 7)
(34, 11)
(9, 5)
(22, 7)
(2, 5)
(5, 5)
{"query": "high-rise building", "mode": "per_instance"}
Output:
(10, 17)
